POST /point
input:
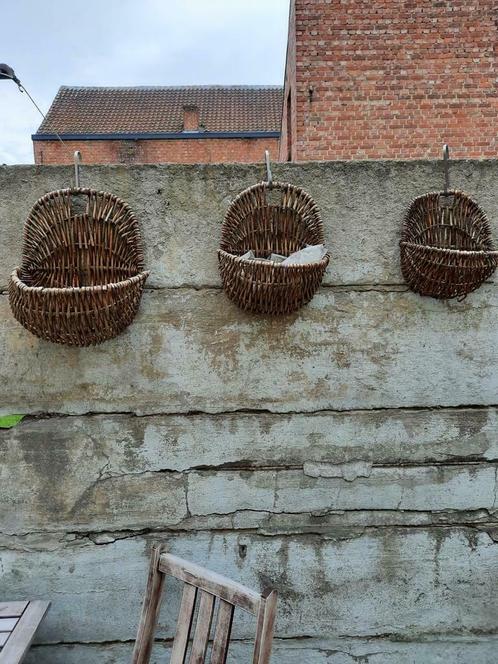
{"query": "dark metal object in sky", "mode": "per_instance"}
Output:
(7, 72)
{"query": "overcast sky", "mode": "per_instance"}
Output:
(130, 42)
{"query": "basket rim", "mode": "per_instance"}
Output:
(448, 250)
(459, 193)
(256, 261)
(275, 184)
(116, 285)
(80, 190)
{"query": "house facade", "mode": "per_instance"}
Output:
(390, 79)
(152, 125)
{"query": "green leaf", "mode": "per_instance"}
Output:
(9, 421)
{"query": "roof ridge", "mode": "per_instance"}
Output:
(172, 87)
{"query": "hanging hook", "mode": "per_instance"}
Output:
(269, 178)
(77, 162)
(446, 162)
(447, 199)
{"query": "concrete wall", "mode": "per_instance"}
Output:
(346, 454)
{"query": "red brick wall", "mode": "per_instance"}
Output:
(188, 151)
(288, 135)
(394, 78)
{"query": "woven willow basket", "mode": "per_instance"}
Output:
(81, 277)
(278, 218)
(446, 245)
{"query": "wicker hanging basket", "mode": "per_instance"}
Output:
(81, 277)
(446, 246)
(270, 218)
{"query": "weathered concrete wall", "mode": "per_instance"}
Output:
(347, 454)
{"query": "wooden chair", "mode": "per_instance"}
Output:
(205, 586)
(18, 624)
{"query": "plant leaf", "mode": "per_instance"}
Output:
(9, 421)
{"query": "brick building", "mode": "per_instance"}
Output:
(390, 79)
(161, 125)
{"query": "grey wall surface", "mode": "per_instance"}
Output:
(346, 455)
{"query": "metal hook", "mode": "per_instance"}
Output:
(446, 163)
(269, 178)
(77, 162)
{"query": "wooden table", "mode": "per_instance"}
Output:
(18, 624)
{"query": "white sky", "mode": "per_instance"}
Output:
(50, 43)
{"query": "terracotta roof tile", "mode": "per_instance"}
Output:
(78, 110)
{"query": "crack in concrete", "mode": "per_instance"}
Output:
(402, 495)
(428, 408)
(275, 492)
(495, 487)
(186, 489)
(110, 536)
(316, 642)
(388, 287)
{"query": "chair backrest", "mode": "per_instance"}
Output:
(206, 588)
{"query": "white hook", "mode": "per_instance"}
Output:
(269, 178)
(77, 162)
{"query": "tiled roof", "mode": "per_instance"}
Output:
(89, 110)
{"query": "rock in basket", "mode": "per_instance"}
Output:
(82, 276)
(270, 218)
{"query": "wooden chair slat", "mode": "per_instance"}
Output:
(12, 609)
(184, 625)
(8, 624)
(222, 633)
(264, 631)
(202, 628)
(19, 641)
(150, 611)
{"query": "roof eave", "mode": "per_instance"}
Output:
(161, 135)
